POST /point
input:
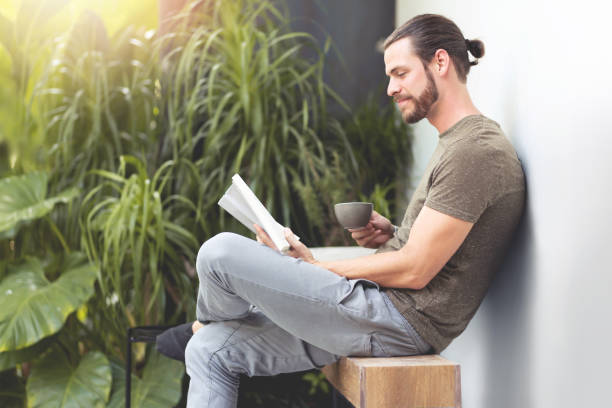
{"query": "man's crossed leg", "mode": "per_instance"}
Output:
(268, 314)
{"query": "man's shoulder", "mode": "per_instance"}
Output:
(481, 140)
(468, 126)
(484, 155)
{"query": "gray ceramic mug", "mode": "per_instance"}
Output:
(354, 215)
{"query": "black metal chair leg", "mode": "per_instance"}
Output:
(142, 334)
(334, 398)
(128, 375)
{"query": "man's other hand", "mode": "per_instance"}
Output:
(378, 231)
(264, 238)
(297, 250)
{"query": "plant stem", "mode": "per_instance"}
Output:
(58, 234)
(91, 335)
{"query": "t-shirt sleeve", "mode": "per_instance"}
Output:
(462, 184)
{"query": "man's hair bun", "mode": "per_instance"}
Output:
(476, 48)
(429, 33)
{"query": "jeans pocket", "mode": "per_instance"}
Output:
(359, 346)
(376, 347)
(406, 329)
(352, 298)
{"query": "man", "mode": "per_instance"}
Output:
(262, 313)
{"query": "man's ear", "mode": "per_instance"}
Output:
(441, 62)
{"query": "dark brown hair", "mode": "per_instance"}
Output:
(431, 32)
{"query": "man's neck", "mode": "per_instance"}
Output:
(450, 108)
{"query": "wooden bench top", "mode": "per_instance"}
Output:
(398, 382)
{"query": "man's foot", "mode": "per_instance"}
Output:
(172, 342)
(197, 325)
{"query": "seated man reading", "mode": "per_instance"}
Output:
(261, 312)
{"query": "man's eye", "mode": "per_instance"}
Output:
(401, 74)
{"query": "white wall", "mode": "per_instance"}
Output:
(541, 337)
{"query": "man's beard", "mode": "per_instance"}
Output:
(423, 103)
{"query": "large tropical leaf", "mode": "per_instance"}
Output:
(160, 386)
(22, 198)
(31, 307)
(54, 382)
(9, 359)
(12, 391)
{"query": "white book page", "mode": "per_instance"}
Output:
(232, 203)
(262, 216)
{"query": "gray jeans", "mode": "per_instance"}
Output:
(269, 313)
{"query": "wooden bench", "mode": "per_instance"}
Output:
(427, 381)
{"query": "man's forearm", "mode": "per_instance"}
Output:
(389, 269)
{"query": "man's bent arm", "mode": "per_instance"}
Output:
(434, 238)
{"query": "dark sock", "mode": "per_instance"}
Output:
(172, 342)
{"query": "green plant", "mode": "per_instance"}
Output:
(160, 385)
(138, 134)
(79, 101)
(42, 337)
(317, 381)
(33, 308)
(381, 144)
(374, 169)
(96, 101)
(55, 378)
(41, 291)
(23, 199)
(379, 197)
(23, 41)
(13, 390)
(254, 105)
(129, 235)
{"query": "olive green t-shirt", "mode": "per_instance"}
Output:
(474, 174)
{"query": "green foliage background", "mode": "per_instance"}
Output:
(117, 141)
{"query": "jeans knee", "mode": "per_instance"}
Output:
(206, 361)
(197, 357)
(194, 357)
(217, 248)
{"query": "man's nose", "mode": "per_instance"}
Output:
(393, 87)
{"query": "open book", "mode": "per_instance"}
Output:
(240, 201)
